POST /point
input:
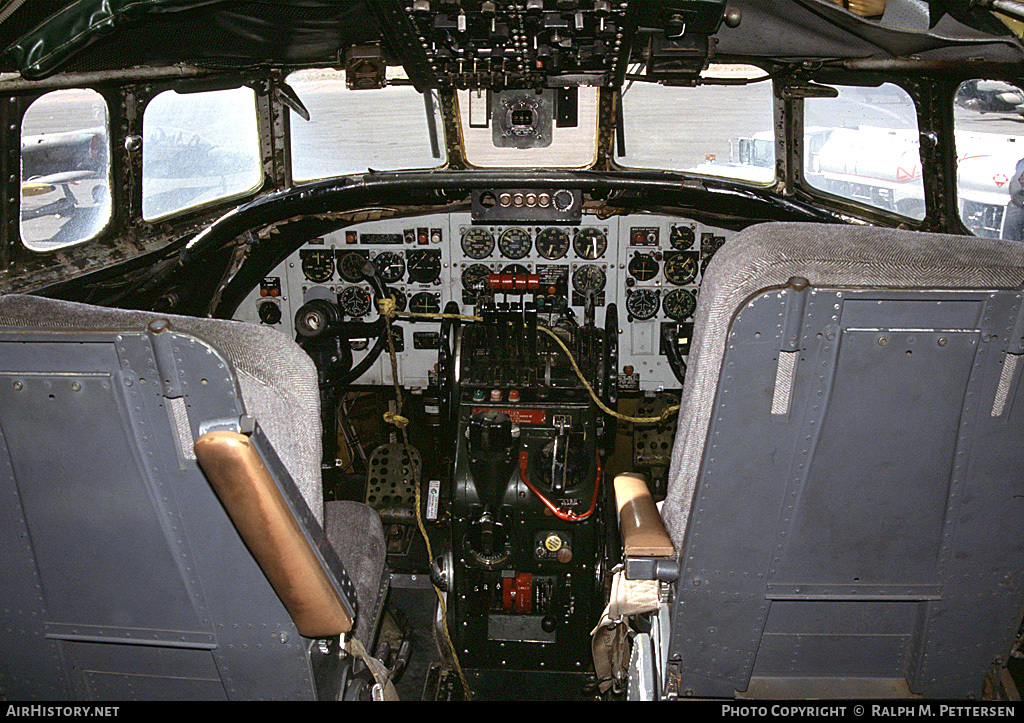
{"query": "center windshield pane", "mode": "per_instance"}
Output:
(491, 124)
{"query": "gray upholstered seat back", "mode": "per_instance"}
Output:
(846, 488)
(277, 379)
(122, 575)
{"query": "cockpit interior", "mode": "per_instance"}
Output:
(511, 350)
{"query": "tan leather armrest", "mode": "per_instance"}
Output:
(643, 532)
(270, 531)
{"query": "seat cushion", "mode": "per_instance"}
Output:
(357, 536)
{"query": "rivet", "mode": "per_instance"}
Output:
(943, 341)
(17, 386)
(882, 341)
(75, 386)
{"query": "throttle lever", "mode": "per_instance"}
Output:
(560, 458)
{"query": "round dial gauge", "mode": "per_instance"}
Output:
(681, 269)
(355, 301)
(424, 303)
(515, 243)
(477, 243)
(424, 266)
(680, 304)
(642, 304)
(390, 266)
(682, 237)
(318, 265)
(588, 277)
(643, 267)
(350, 266)
(590, 243)
(399, 297)
(515, 270)
(474, 277)
(552, 243)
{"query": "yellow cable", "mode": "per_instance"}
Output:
(401, 422)
(390, 310)
(593, 395)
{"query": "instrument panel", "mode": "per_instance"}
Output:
(650, 266)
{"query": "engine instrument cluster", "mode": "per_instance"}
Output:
(649, 266)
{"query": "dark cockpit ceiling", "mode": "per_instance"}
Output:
(461, 43)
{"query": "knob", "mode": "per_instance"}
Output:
(491, 435)
(313, 318)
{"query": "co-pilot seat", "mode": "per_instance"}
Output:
(129, 574)
(846, 495)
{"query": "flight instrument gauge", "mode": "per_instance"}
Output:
(398, 296)
(477, 243)
(355, 301)
(474, 278)
(424, 303)
(643, 267)
(552, 243)
(424, 266)
(682, 237)
(515, 243)
(588, 277)
(680, 304)
(318, 265)
(642, 304)
(390, 266)
(350, 266)
(590, 243)
(681, 267)
(515, 270)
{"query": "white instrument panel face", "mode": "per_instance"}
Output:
(650, 266)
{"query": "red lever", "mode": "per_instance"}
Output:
(517, 284)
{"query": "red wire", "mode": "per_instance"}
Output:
(570, 516)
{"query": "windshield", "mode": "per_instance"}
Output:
(565, 135)
(354, 131)
(711, 129)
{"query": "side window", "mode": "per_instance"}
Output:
(990, 158)
(198, 148)
(351, 131)
(864, 146)
(65, 169)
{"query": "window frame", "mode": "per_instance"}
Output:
(231, 198)
(16, 222)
